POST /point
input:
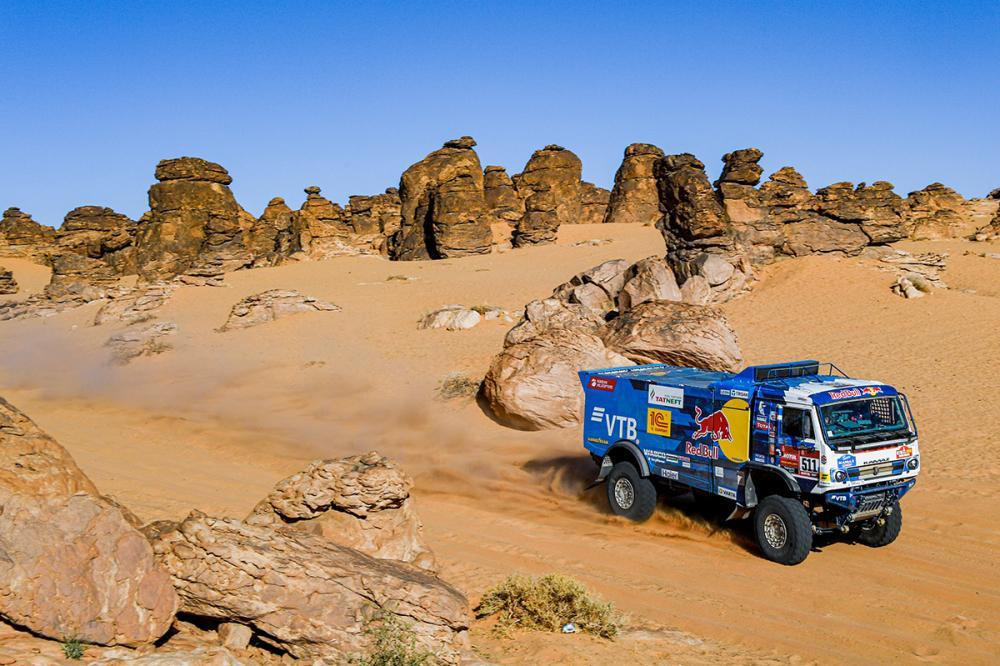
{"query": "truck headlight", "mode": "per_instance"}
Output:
(912, 463)
(840, 476)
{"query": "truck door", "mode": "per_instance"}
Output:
(733, 441)
(798, 449)
(764, 438)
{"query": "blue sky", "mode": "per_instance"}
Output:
(346, 96)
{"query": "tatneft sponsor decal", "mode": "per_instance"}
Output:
(669, 474)
(904, 452)
(727, 492)
(665, 396)
(843, 462)
(854, 392)
(703, 450)
(603, 383)
(658, 422)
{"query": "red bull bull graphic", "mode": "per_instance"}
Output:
(715, 425)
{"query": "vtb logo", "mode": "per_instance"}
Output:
(625, 427)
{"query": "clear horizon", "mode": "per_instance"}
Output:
(346, 97)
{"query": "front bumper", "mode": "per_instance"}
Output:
(862, 502)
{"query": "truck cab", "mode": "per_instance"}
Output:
(799, 447)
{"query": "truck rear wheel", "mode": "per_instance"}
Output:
(629, 494)
(875, 535)
(784, 531)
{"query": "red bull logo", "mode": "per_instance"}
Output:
(871, 390)
(702, 450)
(715, 425)
(855, 392)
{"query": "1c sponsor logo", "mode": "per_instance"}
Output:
(658, 422)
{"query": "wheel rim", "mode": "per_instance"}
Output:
(624, 493)
(775, 532)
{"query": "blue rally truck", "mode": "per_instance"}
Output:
(799, 446)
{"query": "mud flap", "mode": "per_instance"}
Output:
(603, 472)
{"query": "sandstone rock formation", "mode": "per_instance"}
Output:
(8, 285)
(140, 341)
(551, 314)
(503, 203)
(633, 197)
(21, 236)
(593, 203)
(274, 236)
(273, 304)
(442, 206)
(301, 592)
(936, 212)
(132, 305)
(991, 231)
(92, 250)
(361, 501)
(550, 186)
(596, 288)
(375, 218)
(675, 333)
(194, 229)
(648, 280)
(324, 232)
(534, 384)
(70, 562)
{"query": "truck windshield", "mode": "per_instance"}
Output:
(861, 421)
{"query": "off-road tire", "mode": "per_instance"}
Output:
(877, 535)
(624, 484)
(783, 529)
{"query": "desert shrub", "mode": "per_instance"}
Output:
(72, 648)
(548, 603)
(457, 385)
(393, 643)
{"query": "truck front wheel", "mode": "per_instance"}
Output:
(784, 531)
(629, 494)
(875, 535)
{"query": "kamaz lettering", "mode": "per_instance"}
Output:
(800, 448)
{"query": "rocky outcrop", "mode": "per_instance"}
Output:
(92, 250)
(677, 334)
(375, 218)
(503, 203)
(879, 212)
(274, 236)
(21, 236)
(194, 229)
(71, 564)
(361, 501)
(443, 206)
(273, 304)
(937, 212)
(633, 197)
(8, 285)
(140, 341)
(991, 231)
(134, 305)
(550, 186)
(593, 203)
(596, 288)
(303, 593)
(324, 229)
(451, 318)
(534, 384)
(648, 280)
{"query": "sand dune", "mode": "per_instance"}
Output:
(216, 421)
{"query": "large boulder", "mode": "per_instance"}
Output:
(8, 285)
(876, 209)
(675, 333)
(691, 209)
(503, 203)
(21, 236)
(550, 186)
(633, 197)
(937, 212)
(443, 206)
(71, 561)
(534, 385)
(361, 501)
(649, 279)
(93, 249)
(194, 227)
(596, 288)
(136, 341)
(274, 236)
(375, 218)
(552, 314)
(819, 235)
(304, 594)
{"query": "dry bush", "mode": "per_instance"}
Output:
(548, 603)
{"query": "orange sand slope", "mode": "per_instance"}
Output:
(215, 422)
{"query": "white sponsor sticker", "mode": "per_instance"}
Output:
(666, 396)
(728, 492)
(669, 474)
(719, 472)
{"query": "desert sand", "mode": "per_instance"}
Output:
(215, 422)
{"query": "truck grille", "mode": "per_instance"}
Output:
(870, 503)
(876, 470)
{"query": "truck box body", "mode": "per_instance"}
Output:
(710, 430)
